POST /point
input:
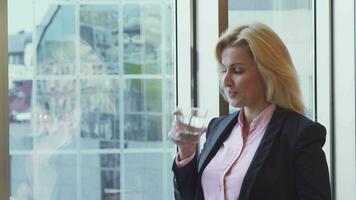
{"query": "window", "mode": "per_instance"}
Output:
(90, 109)
(293, 21)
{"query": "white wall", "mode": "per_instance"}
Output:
(344, 75)
(184, 55)
(323, 60)
(207, 36)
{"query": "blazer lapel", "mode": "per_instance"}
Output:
(262, 152)
(216, 138)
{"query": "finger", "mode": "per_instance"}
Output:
(173, 136)
(194, 129)
(203, 130)
(181, 138)
(188, 138)
(177, 111)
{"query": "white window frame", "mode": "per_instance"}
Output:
(208, 32)
(184, 56)
(344, 98)
(323, 75)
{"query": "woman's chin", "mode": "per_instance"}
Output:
(235, 104)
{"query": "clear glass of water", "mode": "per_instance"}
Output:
(194, 118)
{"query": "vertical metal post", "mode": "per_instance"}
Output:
(194, 53)
(223, 25)
(4, 125)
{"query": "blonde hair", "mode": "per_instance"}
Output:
(273, 63)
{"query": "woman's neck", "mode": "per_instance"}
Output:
(252, 112)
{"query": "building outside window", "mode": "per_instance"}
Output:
(91, 96)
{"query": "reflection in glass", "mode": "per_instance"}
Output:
(43, 176)
(169, 40)
(99, 35)
(170, 190)
(20, 116)
(135, 128)
(56, 114)
(154, 128)
(20, 60)
(66, 110)
(55, 177)
(143, 95)
(21, 178)
(133, 42)
(169, 107)
(101, 173)
(143, 176)
(142, 48)
(56, 48)
(152, 33)
(100, 113)
(143, 130)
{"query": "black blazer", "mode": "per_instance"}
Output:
(289, 163)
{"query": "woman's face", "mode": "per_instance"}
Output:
(242, 82)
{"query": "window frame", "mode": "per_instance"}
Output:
(184, 46)
(323, 70)
(4, 125)
(344, 101)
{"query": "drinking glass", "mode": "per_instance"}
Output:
(193, 118)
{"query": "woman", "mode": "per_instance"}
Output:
(268, 150)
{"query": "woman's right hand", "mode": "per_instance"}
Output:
(185, 137)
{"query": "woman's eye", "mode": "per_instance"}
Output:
(235, 70)
(223, 69)
(238, 71)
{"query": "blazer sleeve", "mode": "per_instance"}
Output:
(312, 176)
(185, 180)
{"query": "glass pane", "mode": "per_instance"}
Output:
(99, 34)
(20, 58)
(133, 41)
(143, 95)
(21, 179)
(43, 176)
(170, 190)
(56, 41)
(152, 37)
(100, 122)
(55, 177)
(143, 130)
(71, 121)
(143, 180)
(169, 107)
(56, 115)
(101, 175)
(20, 116)
(169, 39)
(293, 21)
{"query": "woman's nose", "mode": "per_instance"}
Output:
(227, 79)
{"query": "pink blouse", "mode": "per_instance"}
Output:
(223, 176)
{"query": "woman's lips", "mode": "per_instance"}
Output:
(232, 94)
